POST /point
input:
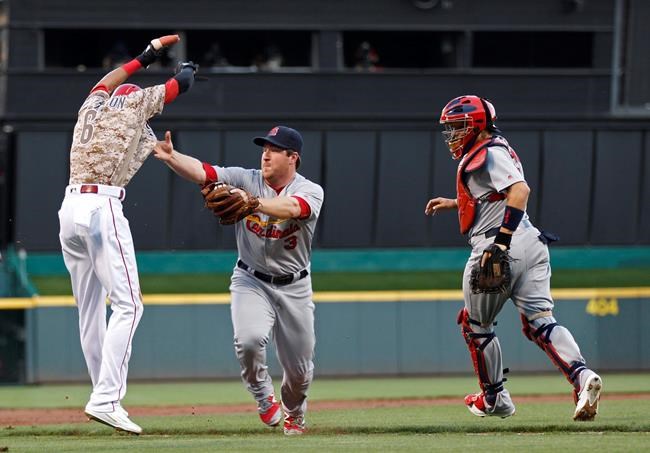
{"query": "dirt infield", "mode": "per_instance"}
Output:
(29, 417)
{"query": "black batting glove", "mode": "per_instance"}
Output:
(156, 49)
(182, 65)
(149, 56)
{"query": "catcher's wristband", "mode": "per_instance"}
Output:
(503, 239)
(511, 218)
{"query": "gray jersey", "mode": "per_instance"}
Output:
(111, 139)
(268, 244)
(501, 170)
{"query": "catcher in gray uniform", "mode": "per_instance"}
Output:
(509, 260)
(271, 284)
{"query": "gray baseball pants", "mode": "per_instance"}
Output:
(261, 311)
(531, 293)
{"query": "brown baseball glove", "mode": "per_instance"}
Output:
(229, 203)
(495, 275)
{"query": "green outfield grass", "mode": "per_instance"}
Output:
(359, 281)
(437, 428)
(622, 425)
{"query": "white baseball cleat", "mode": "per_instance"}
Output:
(118, 419)
(588, 397)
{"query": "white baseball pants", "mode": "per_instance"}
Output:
(98, 252)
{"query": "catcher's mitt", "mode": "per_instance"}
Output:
(229, 203)
(494, 276)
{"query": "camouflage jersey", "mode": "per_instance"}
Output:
(112, 139)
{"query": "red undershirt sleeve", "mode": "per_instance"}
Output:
(305, 210)
(210, 173)
(171, 90)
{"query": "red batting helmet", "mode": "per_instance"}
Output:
(464, 118)
(125, 89)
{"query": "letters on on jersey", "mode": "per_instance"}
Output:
(272, 230)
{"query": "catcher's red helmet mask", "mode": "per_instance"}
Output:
(464, 118)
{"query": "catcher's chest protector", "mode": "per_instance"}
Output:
(476, 156)
(472, 161)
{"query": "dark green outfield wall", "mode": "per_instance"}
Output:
(353, 338)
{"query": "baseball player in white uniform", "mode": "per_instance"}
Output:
(111, 141)
(492, 195)
(271, 284)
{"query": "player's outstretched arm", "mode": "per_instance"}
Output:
(183, 165)
(440, 204)
(118, 75)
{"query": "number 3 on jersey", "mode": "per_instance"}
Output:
(290, 243)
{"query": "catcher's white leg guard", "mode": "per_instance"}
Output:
(558, 343)
(485, 351)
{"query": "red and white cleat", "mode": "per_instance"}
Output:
(269, 410)
(478, 406)
(294, 426)
(475, 402)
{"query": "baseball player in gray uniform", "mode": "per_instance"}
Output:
(492, 195)
(271, 284)
(111, 141)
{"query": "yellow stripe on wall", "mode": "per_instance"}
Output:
(591, 293)
(327, 297)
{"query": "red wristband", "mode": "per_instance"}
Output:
(132, 66)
